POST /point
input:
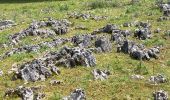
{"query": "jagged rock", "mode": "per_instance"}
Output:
(54, 43)
(77, 56)
(138, 51)
(25, 93)
(166, 9)
(127, 24)
(143, 33)
(35, 48)
(39, 96)
(60, 29)
(143, 24)
(35, 29)
(96, 50)
(160, 95)
(42, 68)
(6, 24)
(118, 38)
(157, 79)
(83, 40)
(35, 70)
(103, 43)
(153, 52)
(163, 18)
(110, 28)
(77, 94)
(55, 82)
(137, 77)
(1, 72)
(99, 74)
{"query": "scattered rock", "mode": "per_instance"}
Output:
(110, 28)
(99, 74)
(142, 33)
(103, 43)
(55, 82)
(137, 77)
(138, 51)
(35, 29)
(76, 56)
(25, 93)
(143, 24)
(77, 94)
(166, 9)
(157, 79)
(160, 95)
(39, 96)
(6, 24)
(83, 40)
(34, 70)
(42, 68)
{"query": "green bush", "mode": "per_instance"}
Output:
(141, 69)
(104, 4)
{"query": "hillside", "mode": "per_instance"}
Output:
(109, 49)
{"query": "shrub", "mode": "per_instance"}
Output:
(104, 4)
(141, 69)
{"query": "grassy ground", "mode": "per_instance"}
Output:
(119, 85)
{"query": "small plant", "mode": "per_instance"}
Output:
(167, 33)
(64, 7)
(104, 4)
(168, 63)
(56, 96)
(141, 69)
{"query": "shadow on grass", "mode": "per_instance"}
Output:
(25, 1)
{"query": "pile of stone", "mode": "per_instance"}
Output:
(120, 36)
(25, 93)
(110, 28)
(36, 70)
(55, 42)
(163, 18)
(160, 95)
(71, 57)
(85, 16)
(143, 33)
(35, 29)
(138, 51)
(101, 75)
(137, 77)
(165, 8)
(35, 48)
(77, 94)
(83, 40)
(142, 24)
(27, 48)
(104, 44)
(40, 69)
(6, 24)
(157, 79)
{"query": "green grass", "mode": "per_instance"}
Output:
(119, 86)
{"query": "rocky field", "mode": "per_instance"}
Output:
(84, 49)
